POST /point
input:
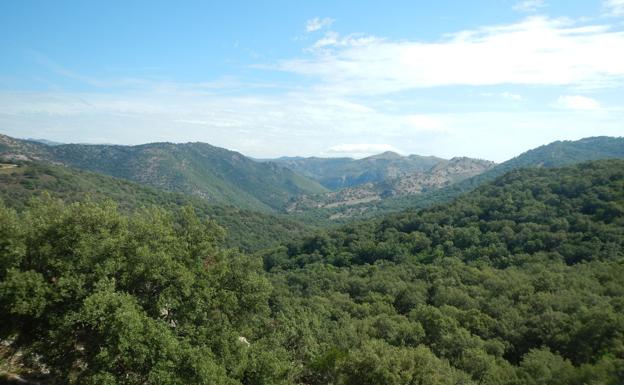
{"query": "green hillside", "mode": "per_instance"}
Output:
(211, 173)
(556, 154)
(245, 229)
(517, 282)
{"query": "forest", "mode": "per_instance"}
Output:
(516, 282)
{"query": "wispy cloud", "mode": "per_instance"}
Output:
(316, 24)
(332, 39)
(578, 102)
(529, 5)
(360, 150)
(614, 7)
(302, 123)
(536, 51)
(504, 95)
(355, 96)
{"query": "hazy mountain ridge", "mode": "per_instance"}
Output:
(215, 174)
(337, 173)
(444, 173)
(555, 154)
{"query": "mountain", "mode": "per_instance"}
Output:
(530, 263)
(444, 173)
(556, 154)
(44, 141)
(337, 173)
(212, 173)
(554, 205)
(516, 282)
(563, 153)
(245, 229)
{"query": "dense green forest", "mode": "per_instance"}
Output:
(517, 282)
(198, 169)
(245, 229)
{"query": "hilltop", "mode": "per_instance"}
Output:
(199, 169)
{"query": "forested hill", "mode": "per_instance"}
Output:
(573, 214)
(245, 229)
(212, 173)
(518, 282)
(556, 154)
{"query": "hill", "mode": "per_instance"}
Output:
(517, 282)
(337, 173)
(444, 173)
(245, 229)
(211, 173)
(556, 154)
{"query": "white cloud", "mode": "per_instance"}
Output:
(578, 102)
(360, 150)
(504, 95)
(290, 123)
(332, 39)
(536, 51)
(511, 96)
(614, 7)
(425, 123)
(316, 24)
(349, 97)
(529, 5)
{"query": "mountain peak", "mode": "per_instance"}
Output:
(389, 155)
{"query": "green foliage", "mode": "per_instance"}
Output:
(573, 215)
(248, 230)
(556, 154)
(102, 297)
(515, 283)
(197, 169)
(518, 282)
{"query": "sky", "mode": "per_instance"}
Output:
(487, 79)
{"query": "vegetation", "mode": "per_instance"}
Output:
(445, 173)
(337, 173)
(198, 169)
(556, 154)
(517, 282)
(247, 230)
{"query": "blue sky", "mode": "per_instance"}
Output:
(488, 79)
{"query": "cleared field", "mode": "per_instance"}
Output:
(6, 168)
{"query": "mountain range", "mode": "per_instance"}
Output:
(337, 173)
(199, 169)
(555, 154)
(441, 174)
(319, 189)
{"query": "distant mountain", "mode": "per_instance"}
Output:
(44, 141)
(245, 229)
(212, 173)
(556, 154)
(444, 173)
(337, 173)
